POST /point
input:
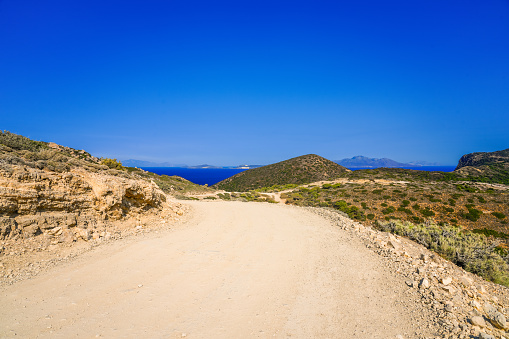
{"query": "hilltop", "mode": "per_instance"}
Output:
(485, 166)
(304, 169)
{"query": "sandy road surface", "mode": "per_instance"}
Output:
(235, 270)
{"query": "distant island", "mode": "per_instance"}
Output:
(143, 163)
(360, 161)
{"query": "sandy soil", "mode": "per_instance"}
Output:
(235, 270)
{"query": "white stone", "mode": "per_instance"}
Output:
(478, 321)
(424, 283)
(446, 281)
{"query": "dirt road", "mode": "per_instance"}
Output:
(235, 270)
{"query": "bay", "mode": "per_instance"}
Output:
(211, 176)
(200, 176)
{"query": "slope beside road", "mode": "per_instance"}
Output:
(234, 270)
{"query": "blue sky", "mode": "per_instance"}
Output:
(230, 82)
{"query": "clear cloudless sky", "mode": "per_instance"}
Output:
(231, 82)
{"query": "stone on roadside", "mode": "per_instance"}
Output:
(478, 321)
(465, 281)
(394, 244)
(490, 309)
(446, 281)
(424, 283)
(498, 320)
(483, 335)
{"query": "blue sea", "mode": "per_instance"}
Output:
(200, 176)
(211, 176)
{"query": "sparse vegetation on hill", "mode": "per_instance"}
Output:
(303, 169)
(19, 150)
(471, 205)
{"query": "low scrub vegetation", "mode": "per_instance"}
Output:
(470, 250)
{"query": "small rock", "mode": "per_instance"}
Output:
(464, 280)
(140, 285)
(498, 320)
(410, 283)
(483, 335)
(393, 244)
(478, 321)
(490, 309)
(448, 307)
(446, 281)
(449, 289)
(424, 283)
(475, 304)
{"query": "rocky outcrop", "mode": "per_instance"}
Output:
(62, 205)
(483, 159)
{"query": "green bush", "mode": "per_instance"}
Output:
(370, 216)
(388, 210)
(224, 196)
(498, 215)
(112, 163)
(491, 233)
(406, 210)
(427, 212)
(473, 214)
(466, 188)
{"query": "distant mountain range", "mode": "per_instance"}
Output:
(365, 162)
(361, 161)
(142, 163)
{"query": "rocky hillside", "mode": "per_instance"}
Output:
(485, 166)
(303, 169)
(61, 195)
(484, 159)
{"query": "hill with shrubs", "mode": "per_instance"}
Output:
(304, 169)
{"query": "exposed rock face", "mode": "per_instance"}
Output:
(35, 202)
(483, 158)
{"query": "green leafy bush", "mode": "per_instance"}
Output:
(427, 212)
(112, 163)
(473, 213)
(388, 210)
(498, 215)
